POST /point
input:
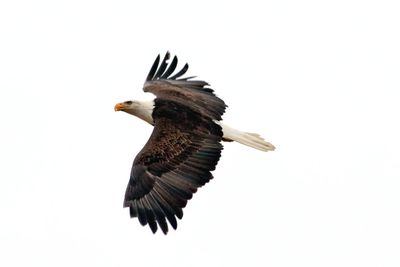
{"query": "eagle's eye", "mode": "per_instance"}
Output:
(128, 102)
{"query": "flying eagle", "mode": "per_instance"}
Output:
(184, 147)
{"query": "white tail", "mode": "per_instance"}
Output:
(249, 139)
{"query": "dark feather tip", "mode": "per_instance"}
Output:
(181, 72)
(153, 69)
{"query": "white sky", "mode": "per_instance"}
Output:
(318, 79)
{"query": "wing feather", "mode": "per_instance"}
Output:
(141, 212)
(162, 67)
(153, 69)
(171, 68)
(133, 210)
(151, 218)
(164, 207)
(158, 212)
(175, 203)
(181, 72)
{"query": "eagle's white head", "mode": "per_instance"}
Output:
(140, 109)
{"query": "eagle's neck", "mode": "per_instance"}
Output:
(144, 111)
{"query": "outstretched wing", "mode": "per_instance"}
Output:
(191, 93)
(183, 149)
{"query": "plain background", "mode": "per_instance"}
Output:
(319, 79)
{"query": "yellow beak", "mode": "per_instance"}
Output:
(119, 107)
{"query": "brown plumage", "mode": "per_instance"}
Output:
(182, 150)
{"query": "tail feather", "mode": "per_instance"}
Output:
(253, 141)
(249, 139)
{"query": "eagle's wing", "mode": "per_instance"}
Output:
(182, 150)
(185, 91)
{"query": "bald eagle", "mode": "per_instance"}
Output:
(184, 147)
